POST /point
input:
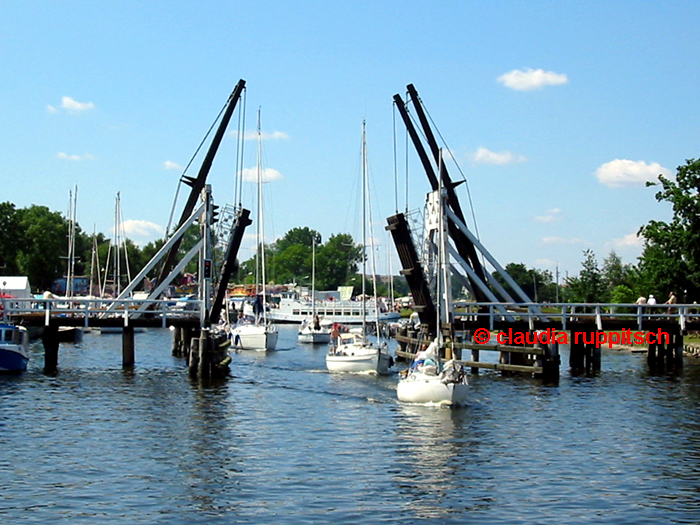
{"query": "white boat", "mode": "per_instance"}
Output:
(292, 309)
(254, 336)
(427, 381)
(14, 348)
(354, 352)
(312, 330)
(256, 332)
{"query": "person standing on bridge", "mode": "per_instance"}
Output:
(671, 300)
(641, 300)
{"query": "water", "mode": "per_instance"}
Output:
(283, 441)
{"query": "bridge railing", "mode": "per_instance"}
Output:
(577, 312)
(91, 308)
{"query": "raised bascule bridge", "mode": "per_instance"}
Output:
(525, 335)
(195, 338)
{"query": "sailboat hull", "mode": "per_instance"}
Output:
(362, 360)
(309, 335)
(254, 337)
(423, 389)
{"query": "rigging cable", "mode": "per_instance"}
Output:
(182, 177)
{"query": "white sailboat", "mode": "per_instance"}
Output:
(314, 330)
(354, 352)
(259, 333)
(428, 380)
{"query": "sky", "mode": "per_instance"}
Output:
(556, 113)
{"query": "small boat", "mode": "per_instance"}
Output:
(427, 381)
(314, 333)
(14, 348)
(355, 353)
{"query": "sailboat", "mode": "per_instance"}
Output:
(259, 333)
(114, 254)
(314, 330)
(428, 380)
(71, 334)
(354, 352)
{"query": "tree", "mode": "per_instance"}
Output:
(537, 284)
(336, 261)
(10, 240)
(671, 257)
(45, 245)
(589, 286)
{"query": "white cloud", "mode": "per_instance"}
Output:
(623, 172)
(552, 215)
(170, 165)
(142, 232)
(529, 79)
(268, 175)
(547, 263)
(73, 105)
(485, 156)
(631, 240)
(64, 156)
(51, 109)
(560, 240)
(264, 135)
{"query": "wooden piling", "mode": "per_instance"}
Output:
(128, 347)
(50, 340)
(203, 366)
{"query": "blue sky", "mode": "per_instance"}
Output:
(557, 112)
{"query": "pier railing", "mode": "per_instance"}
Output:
(564, 313)
(77, 311)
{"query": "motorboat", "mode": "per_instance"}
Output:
(14, 348)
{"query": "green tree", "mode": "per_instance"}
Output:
(589, 285)
(536, 284)
(670, 260)
(10, 240)
(336, 261)
(45, 245)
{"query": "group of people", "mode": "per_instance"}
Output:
(652, 300)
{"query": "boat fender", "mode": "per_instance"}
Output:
(225, 362)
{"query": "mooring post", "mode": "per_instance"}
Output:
(128, 347)
(577, 355)
(678, 349)
(177, 342)
(596, 352)
(203, 368)
(50, 340)
(651, 355)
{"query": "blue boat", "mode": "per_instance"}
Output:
(14, 348)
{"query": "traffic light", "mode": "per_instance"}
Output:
(207, 268)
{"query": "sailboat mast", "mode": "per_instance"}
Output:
(117, 268)
(364, 224)
(261, 226)
(313, 277)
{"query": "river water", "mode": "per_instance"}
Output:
(283, 441)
